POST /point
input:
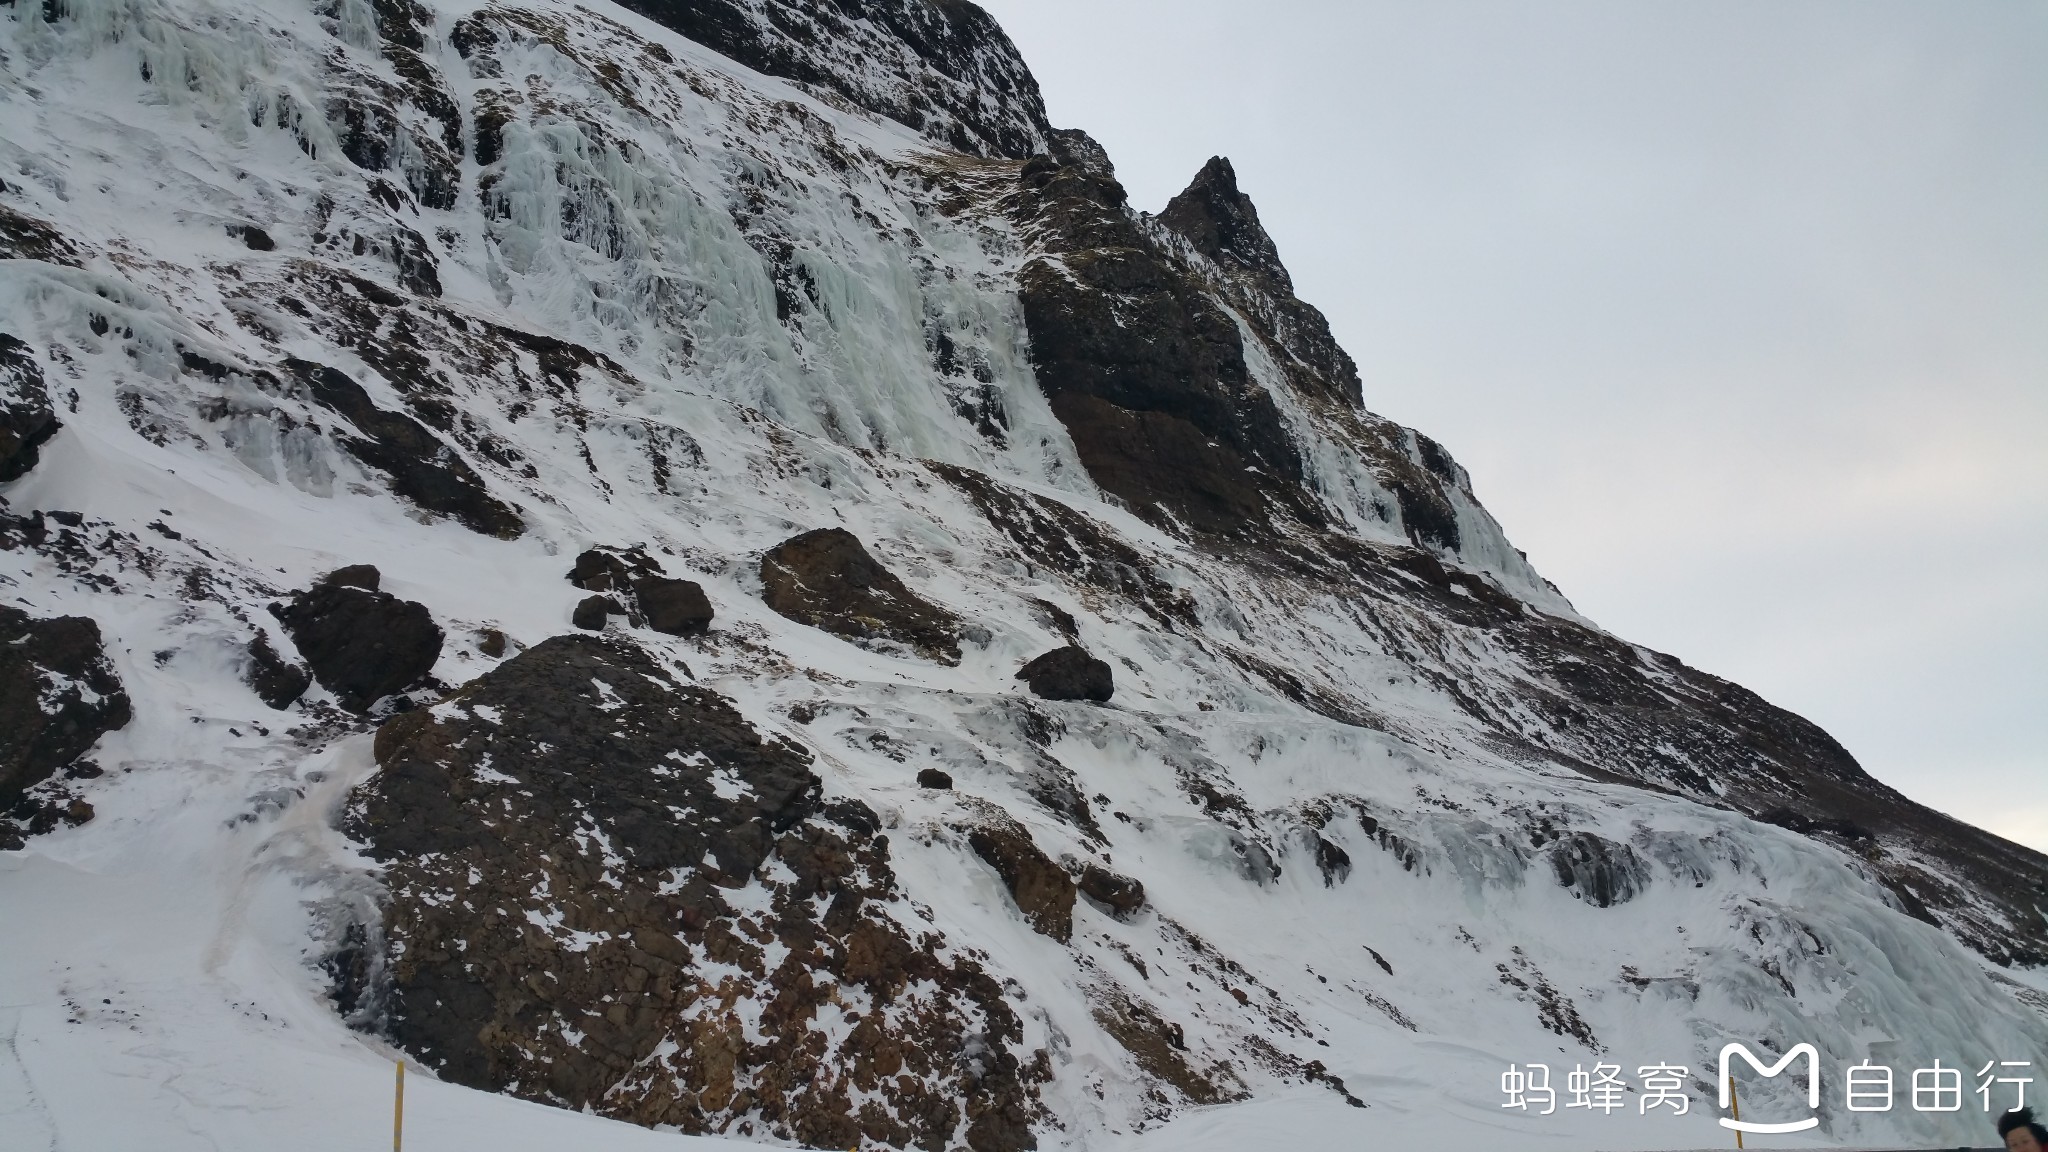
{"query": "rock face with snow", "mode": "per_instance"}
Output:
(1069, 673)
(827, 579)
(26, 418)
(58, 695)
(800, 308)
(362, 644)
(578, 849)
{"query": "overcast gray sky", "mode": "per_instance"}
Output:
(1737, 312)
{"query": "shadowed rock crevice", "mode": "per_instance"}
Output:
(597, 873)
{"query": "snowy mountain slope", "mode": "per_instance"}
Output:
(461, 291)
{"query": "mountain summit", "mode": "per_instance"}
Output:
(698, 562)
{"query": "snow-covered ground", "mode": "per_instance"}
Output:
(160, 983)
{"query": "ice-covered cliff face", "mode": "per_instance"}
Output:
(805, 303)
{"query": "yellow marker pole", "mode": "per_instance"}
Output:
(1735, 1103)
(398, 1112)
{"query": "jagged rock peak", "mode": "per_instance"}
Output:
(1223, 224)
(943, 67)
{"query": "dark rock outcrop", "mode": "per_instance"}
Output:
(1333, 862)
(560, 838)
(942, 67)
(364, 576)
(1142, 364)
(58, 695)
(675, 607)
(361, 645)
(276, 681)
(934, 778)
(1223, 225)
(254, 238)
(1598, 870)
(611, 569)
(593, 611)
(827, 580)
(27, 420)
(1042, 889)
(1120, 894)
(422, 468)
(1068, 673)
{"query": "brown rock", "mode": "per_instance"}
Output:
(277, 681)
(1042, 889)
(1068, 673)
(361, 645)
(827, 580)
(1122, 895)
(58, 695)
(592, 612)
(674, 607)
(579, 804)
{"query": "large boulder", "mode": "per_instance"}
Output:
(58, 695)
(639, 590)
(361, 644)
(1120, 894)
(26, 417)
(593, 612)
(826, 579)
(1042, 889)
(611, 569)
(675, 607)
(576, 849)
(1068, 673)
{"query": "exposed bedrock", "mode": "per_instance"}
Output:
(58, 695)
(1149, 378)
(672, 606)
(1122, 895)
(827, 580)
(583, 910)
(1598, 870)
(276, 681)
(1042, 889)
(422, 468)
(664, 603)
(27, 420)
(1222, 224)
(942, 67)
(1068, 673)
(361, 644)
